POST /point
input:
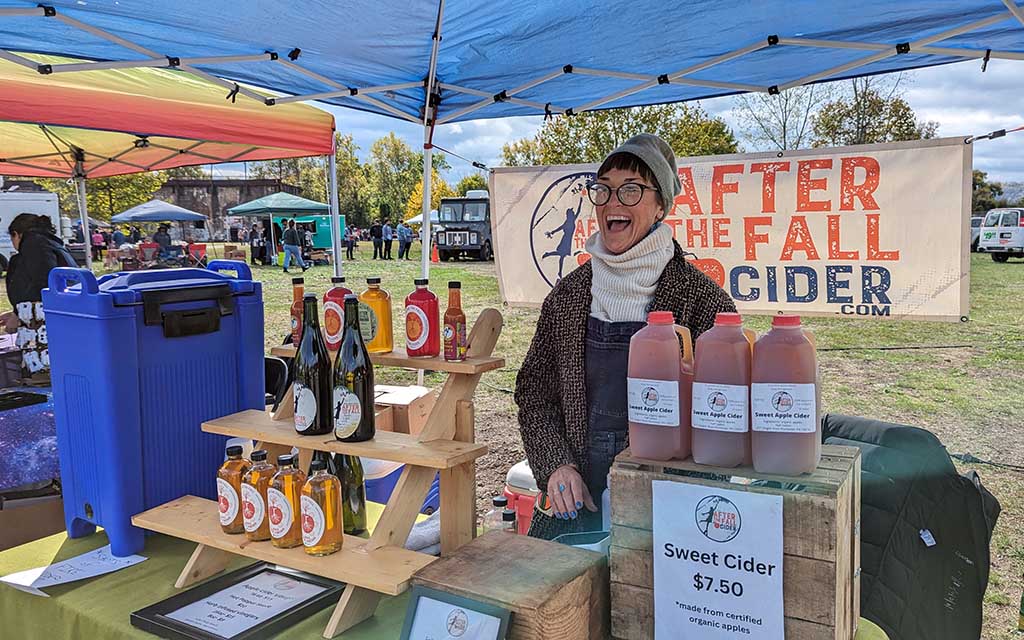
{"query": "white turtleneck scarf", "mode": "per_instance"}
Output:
(624, 284)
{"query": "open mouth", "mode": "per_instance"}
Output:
(618, 223)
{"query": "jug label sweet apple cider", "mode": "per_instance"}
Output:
(720, 407)
(313, 521)
(653, 402)
(227, 501)
(783, 407)
(253, 509)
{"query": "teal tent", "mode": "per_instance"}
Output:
(279, 205)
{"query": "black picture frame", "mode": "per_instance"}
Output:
(419, 591)
(154, 618)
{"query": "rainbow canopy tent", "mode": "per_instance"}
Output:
(440, 61)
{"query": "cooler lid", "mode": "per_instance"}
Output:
(128, 288)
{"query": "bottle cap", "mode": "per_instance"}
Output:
(508, 515)
(351, 296)
(375, 280)
(258, 455)
(786, 321)
(298, 280)
(338, 279)
(499, 501)
(421, 282)
(454, 284)
(728, 319)
(234, 450)
(318, 465)
(285, 460)
(309, 296)
(660, 317)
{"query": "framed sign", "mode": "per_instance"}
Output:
(438, 615)
(253, 603)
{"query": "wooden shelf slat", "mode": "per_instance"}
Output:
(385, 570)
(399, 359)
(395, 447)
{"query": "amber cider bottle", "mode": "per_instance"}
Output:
(255, 483)
(229, 489)
(322, 521)
(283, 503)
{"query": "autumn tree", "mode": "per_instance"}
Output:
(869, 113)
(471, 182)
(106, 197)
(783, 121)
(438, 189)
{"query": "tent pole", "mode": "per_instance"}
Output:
(427, 177)
(332, 179)
(273, 243)
(83, 212)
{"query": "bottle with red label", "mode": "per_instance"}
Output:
(229, 488)
(334, 312)
(422, 322)
(298, 289)
(454, 325)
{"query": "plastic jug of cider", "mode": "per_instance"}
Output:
(658, 409)
(785, 400)
(721, 394)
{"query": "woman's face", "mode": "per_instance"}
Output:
(16, 240)
(621, 226)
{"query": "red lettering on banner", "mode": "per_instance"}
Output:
(874, 253)
(768, 171)
(719, 186)
(674, 223)
(834, 250)
(700, 232)
(720, 233)
(688, 194)
(798, 238)
(805, 185)
(751, 238)
(848, 190)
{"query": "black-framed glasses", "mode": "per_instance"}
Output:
(629, 194)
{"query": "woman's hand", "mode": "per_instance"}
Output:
(568, 493)
(9, 322)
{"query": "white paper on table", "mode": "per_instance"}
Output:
(88, 565)
(436, 620)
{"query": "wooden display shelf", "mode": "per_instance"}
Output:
(471, 365)
(395, 447)
(385, 570)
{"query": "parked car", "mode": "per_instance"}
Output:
(1002, 234)
(975, 231)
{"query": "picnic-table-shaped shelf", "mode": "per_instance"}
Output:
(378, 565)
(385, 570)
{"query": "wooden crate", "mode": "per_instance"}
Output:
(554, 592)
(410, 406)
(821, 541)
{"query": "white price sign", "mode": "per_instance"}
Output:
(717, 563)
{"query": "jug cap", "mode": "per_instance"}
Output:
(234, 450)
(258, 455)
(786, 321)
(728, 319)
(660, 317)
(338, 279)
(421, 282)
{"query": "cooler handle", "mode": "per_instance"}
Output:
(152, 300)
(61, 276)
(239, 268)
(684, 333)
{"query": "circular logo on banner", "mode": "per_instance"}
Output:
(561, 222)
(367, 322)
(717, 518)
(649, 396)
(717, 401)
(416, 328)
(782, 402)
(348, 411)
(457, 623)
(334, 321)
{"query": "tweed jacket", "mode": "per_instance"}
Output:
(551, 385)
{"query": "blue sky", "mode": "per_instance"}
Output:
(962, 99)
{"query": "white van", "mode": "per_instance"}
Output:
(14, 202)
(1002, 234)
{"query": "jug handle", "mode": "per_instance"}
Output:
(751, 337)
(810, 337)
(684, 333)
(59, 278)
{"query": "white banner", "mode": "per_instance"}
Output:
(869, 231)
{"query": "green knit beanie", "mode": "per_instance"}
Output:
(657, 155)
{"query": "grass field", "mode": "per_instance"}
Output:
(962, 381)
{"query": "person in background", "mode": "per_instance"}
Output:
(388, 235)
(407, 235)
(135, 236)
(256, 245)
(376, 234)
(38, 251)
(79, 235)
(291, 242)
(350, 243)
(97, 245)
(163, 238)
(118, 238)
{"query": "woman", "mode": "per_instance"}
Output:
(38, 251)
(256, 244)
(571, 389)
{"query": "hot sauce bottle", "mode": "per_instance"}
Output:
(255, 483)
(298, 288)
(454, 325)
(321, 511)
(283, 503)
(229, 488)
(334, 312)
(422, 324)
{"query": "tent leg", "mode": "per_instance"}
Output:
(273, 242)
(428, 149)
(83, 214)
(332, 178)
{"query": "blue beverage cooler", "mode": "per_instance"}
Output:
(138, 361)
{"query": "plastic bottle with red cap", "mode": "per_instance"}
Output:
(422, 322)
(721, 393)
(785, 400)
(658, 391)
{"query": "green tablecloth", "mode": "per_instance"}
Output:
(100, 607)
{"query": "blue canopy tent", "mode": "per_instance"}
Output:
(157, 211)
(490, 60)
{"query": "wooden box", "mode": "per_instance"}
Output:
(410, 406)
(821, 541)
(554, 592)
